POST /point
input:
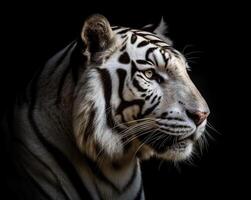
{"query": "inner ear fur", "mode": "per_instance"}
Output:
(97, 36)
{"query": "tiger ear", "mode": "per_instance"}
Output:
(160, 30)
(97, 36)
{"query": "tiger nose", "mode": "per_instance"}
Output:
(197, 116)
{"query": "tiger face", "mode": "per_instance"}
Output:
(149, 102)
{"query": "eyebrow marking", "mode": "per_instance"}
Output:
(143, 43)
(144, 62)
(138, 75)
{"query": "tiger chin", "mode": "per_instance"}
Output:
(113, 97)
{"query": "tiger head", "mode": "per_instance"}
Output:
(135, 95)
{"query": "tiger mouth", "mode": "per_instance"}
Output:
(168, 142)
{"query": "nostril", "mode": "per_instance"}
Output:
(197, 116)
(164, 115)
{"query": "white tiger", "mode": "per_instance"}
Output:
(115, 96)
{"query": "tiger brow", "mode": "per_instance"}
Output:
(144, 62)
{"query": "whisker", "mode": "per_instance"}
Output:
(186, 47)
(212, 128)
(191, 158)
(132, 121)
(193, 57)
(192, 62)
(136, 136)
(193, 52)
(176, 164)
(209, 136)
(159, 141)
(134, 129)
(128, 140)
(149, 137)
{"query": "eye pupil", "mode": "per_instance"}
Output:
(148, 73)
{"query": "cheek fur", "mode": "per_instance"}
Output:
(131, 113)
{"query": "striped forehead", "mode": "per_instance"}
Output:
(147, 48)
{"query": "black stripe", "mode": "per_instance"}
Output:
(144, 35)
(43, 163)
(157, 41)
(123, 36)
(62, 161)
(149, 110)
(56, 153)
(42, 192)
(133, 38)
(124, 42)
(134, 69)
(149, 96)
(174, 118)
(172, 131)
(165, 47)
(173, 126)
(124, 58)
(99, 174)
(150, 50)
(154, 98)
(139, 33)
(124, 104)
(140, 76)
(107, 87)
(123, 48)
(33, 91)
(143, 43)
(123, 31)
(121, 74)
(131, 90)
(136, 84)
(143, 62)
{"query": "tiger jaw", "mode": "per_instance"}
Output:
(175, 142)
(179, 151)
(171, 147)
(164, 146)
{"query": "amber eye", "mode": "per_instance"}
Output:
(149, 73)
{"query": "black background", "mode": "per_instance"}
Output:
(212, 35)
